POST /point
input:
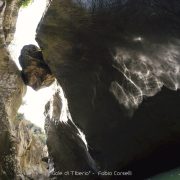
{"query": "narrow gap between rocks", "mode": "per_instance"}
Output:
(34, 101)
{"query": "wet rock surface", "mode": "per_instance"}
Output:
(107, 58)
(35, 72)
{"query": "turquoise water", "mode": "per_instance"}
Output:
(170, 175)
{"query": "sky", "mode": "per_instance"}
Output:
(27, 22)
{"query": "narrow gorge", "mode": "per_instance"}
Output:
(112, 112)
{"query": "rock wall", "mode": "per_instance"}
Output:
(31, 150)
(107, 57)
(11, 91)
(21, 149)
(10, 18)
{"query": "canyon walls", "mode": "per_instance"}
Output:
(11, 91)
(118, 64)
(21, 146)
(109, 56)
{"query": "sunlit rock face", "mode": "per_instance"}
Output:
(31, 150)
(35, 72)
(11, 91)
(20, 150)
(10, 18)
(108, 57)
(67, 151)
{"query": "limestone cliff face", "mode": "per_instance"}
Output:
(31, 150)
(10, 18)
(107, 57)
(21, 148)
(11, 91)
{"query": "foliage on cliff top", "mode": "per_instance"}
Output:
(25, 3)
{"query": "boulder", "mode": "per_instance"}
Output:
(35, 72)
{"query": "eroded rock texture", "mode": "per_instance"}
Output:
(31, 150)
(10, 18)
(21, 149)
(35, 72)
(11, 91)
(108, 56)
(67, 150)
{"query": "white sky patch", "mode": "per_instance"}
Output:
(27, 23)
(35, 102)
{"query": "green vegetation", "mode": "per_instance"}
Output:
(20, 116)
(25, 3)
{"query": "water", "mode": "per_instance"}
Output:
(170, 175)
